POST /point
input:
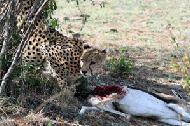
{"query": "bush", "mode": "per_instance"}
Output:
(32, 75)
(121, 65)
(182, 65)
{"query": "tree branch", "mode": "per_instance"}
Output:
(6, 30)
(6, 37)
(20, 48)
(3, 15)
(4, 12)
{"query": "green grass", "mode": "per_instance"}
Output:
(142, 22)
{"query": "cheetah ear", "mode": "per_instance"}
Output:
(86, 46)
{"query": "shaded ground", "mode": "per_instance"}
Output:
(148, 74)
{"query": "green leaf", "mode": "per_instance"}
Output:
(49, 123)
(53, 23)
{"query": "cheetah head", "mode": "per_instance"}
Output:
(92, 61)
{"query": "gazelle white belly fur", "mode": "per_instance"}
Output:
(139, 103)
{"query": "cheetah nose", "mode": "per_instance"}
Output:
(84, 72)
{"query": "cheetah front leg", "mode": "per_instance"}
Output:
(67, 83)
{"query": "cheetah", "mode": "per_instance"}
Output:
(48, 46)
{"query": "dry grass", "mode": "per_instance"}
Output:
(137, 23)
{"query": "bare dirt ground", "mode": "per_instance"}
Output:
(144, 27)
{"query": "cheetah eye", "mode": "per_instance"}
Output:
(92, 62)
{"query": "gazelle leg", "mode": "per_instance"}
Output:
(185, 115)
(85, 108)
(174, 122)
(117, 113)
